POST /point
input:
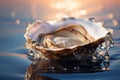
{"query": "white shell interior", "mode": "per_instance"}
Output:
(65, 38)
(95, 29)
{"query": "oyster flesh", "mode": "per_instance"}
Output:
(58, 40)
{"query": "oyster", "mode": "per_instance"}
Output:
(68, 37)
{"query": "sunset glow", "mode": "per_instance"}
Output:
(66, 4)
(67, 7)
(52, 9)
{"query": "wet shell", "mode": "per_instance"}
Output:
(65, 37)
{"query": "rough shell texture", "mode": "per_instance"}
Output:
(65, 37)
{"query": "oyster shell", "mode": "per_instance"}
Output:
(63, 38)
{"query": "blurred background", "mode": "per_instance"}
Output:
(27, 10)
(16, 14)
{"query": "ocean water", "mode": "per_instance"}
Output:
(14, 63)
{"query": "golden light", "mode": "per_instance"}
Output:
(66, 8)
(83, 12)
(17, 21)
(110, 16)
(66, 4)
(115, 22)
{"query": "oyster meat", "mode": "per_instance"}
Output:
(55, 41)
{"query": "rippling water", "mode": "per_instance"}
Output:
(14, 64)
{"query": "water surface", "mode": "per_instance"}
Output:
(14, 64)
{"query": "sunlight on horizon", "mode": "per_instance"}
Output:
(57, 9)
(66, 4)
(67, 7)
(60, 9)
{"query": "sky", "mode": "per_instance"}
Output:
(53, 9)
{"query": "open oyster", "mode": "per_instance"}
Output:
(67, 38)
